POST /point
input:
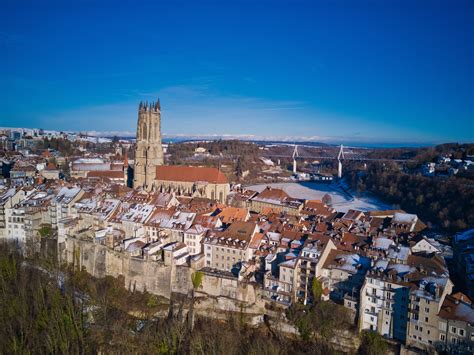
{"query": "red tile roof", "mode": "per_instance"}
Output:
(454, 309)
(190, 174)
(233, 214)
(273, 194)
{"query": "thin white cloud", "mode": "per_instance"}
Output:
(196, 110)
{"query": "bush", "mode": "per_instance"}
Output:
(45, 230)
(372, 343)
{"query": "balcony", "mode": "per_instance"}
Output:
(374, 295)
(371, 313)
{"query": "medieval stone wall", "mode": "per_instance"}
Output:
(157, 278)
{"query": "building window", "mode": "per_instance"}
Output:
(442, 337)
(453, 330)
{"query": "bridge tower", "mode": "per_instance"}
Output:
(340, 157)
(295, 155)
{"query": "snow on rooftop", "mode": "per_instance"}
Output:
(464, 311)
(401, 269)
(383, 243)
(9, 193)
(381, 265)
(352, 262)
(179, 220)
(87, 204)
(267, 161)
(399, 217)
(289, 263)
(400, 253)
(66, 194)
(196, 229)
(137, 213)
(341, 201)
(89, 161)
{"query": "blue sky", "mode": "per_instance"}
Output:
(375, 71)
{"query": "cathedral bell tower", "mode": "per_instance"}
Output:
(148, 150)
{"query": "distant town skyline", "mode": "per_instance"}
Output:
(392, 71)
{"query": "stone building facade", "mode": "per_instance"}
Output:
(148, 151)
(276, 200)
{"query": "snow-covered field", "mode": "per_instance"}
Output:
(341, 201)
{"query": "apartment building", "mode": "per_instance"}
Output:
(384, 300)
(226, 250)
(309, 266)
(426, 298)
(456, 325)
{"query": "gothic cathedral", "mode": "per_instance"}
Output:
(148, 151)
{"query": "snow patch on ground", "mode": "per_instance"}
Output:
(341, 200)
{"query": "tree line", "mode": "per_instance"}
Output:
(44, 309)
(48, 308)
(447, 203)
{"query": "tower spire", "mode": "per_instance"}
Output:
(148, 149)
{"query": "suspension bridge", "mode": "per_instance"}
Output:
(340, 154)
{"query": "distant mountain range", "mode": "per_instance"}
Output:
(310, 140)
